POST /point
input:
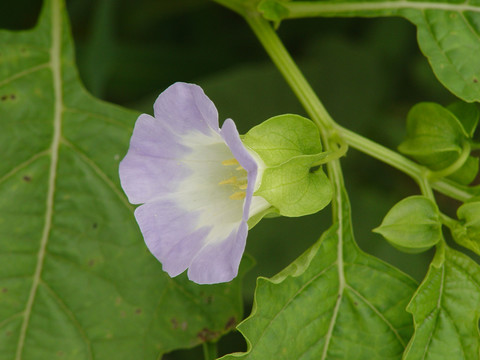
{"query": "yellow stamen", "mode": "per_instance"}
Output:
(232, 180)
(242, 187)
(230, 162)
(239, 168)
(239, 195)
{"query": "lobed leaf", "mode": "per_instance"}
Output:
(76, 279)
(333, 302)
(446, 310)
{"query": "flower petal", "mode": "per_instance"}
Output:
(185, 107)
(151, 166)
(219, 262)
(171, 234)
(230, 134)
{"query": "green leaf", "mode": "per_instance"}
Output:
(273, 10)
(467, 172)
(446, 310)
(412, 225)
(469, 213)
(290, 148)
(333, 302)
(438, 140)
(467, 114)
(76, 279)
(448, 32)
(433, 134)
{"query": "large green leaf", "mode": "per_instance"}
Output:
(333, 302)
(448, 32)
(76, 280)
(446, 309)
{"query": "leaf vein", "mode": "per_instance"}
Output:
(10, 318)
(22, 165)
(379, 314)
(298, 292)
(55, 65)
(72, 317)
(100, 174)
(23, 73)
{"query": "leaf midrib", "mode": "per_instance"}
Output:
(338, 216)
(55, 66)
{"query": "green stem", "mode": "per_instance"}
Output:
(415, 171)
(210, 351)
(394, 159)
(292, 74)
(382, 153)
(439, 257)
(333, 155)
(475, 145)
(448, 221)
(329, 130)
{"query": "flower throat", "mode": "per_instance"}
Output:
(238, 181)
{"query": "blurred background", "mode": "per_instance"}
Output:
(367, 72)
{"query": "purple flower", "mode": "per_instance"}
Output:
(196, 183)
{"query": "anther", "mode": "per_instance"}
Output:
(232, 180)
(239, 195)
(230, 162)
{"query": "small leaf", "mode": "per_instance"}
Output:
(446, 311)
(333, 302)
(469, 213)
(412, 225)
(467, 114)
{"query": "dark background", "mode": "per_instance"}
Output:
(367, 72)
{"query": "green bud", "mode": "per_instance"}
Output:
(436, 138)
(412, 225)
(469, 215)
(467, 114)
(292, 179)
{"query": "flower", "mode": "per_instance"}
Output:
(195, 182)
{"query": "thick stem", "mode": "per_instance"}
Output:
(291, 73)
(330, 132)
(210, 351)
